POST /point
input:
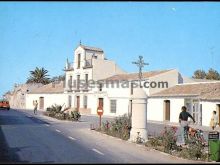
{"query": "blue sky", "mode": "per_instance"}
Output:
(182, 35)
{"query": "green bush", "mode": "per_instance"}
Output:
(169, 139)
(75, 115)
(195, 148)
(119, 127)
(55, 111)
(154, 142)
(105, 127)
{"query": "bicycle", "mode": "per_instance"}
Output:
(197, 134)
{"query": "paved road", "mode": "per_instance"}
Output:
(32, 138)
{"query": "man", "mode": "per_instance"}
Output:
(35, 106)
(183, 120)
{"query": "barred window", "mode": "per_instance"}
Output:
(113, 106)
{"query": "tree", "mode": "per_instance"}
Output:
(57, 78)
(39, 75)
(212, 75)
(199, 74)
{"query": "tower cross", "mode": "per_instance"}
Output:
(140, 63)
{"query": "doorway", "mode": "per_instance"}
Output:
(69, 101)
(218, 112)
(41, 103)
(100, 103)
(167, 110)
(77, 103)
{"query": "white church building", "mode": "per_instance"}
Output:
(104, 84)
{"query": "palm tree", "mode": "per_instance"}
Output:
(39, 76)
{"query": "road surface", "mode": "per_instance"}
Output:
(30, 138)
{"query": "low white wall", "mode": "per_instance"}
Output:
(155, 108)
(49, 99)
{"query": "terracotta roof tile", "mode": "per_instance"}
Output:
(134, 76)
(49, 88)
(206, 91)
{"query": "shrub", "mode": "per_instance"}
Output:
(59, 116)
(75, 115)
(120, 127)
(55, 111)
(106, 127)
(169, 139)
(67, 116)
(167, 143)
(154, 142)
(195, 148)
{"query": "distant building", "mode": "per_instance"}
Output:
(17, 97)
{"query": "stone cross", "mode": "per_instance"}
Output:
(140, 63)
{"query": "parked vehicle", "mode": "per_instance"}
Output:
(4, 104)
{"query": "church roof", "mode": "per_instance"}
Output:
(49, 88)
(204, 91)
(91, 48)
(135, 76)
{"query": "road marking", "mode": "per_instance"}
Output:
(47, 125)
(71, 138)
(58, 130)
(97, 151)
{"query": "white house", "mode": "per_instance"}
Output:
(92, 81)
(89, 64)
(200, 98)
(117, 90)
(47, 95)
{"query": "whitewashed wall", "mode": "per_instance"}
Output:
(49, 99)
(175, 109)
(172, 77)
(155, 109)
(207, 108)
(105, 68)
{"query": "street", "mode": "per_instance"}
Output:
(30, 138)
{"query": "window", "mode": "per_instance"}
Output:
(78, 81)
(69, 101)
(132, 89)
(85, 100)
(100, 87)
(86, 80)
(113, 106)
(94, 56)
(70, 82)
(79, 59)
(195, 111)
